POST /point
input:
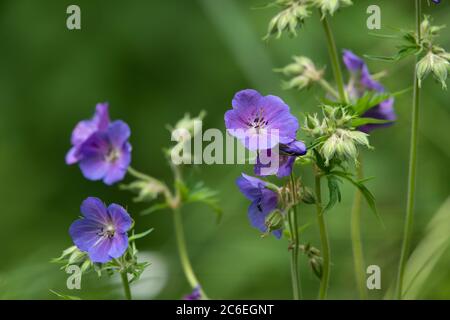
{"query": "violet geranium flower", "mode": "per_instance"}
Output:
(264, 201)
(265, 165)
(361, 82)
(106, 155)
(102, 232)
(101, 147)
(84, 129)
(260, 122)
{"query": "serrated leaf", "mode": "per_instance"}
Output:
(204, 195)
(334, 192)
(368, 196)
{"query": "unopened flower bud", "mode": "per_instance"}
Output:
(274, 221)
(433, 63)
(307, 196)
(316, 266)
(289, 19)
(331, 6)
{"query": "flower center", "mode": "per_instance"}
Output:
(112, 155)
(107, 231)
(258, 121)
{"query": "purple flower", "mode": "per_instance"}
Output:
(362, 81)
(102, 232)
(271, 162)
(106, 155)
(84, 129)
(101, 147)
(436, 1)
(194, 295)
(264, 201)
(260, 122)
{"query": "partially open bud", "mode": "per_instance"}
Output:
(304, 73)
(342, 144)
(289, 19)
(433, 63)
(147, 190)
(331, 6)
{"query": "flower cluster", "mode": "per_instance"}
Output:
(264, 124)
(101, 147)
(294, 13)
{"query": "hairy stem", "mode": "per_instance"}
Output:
(182, 251)
(293, 225)
(126, 285)
(355, 225)
(323, 239)
(409, 220)
(334, 58)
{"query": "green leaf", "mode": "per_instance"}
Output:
(64, 296)
(139, 235)
(334, 191)
(362, 121)
(429, 251)
(370, 199)
(201, 194)
(369, 100)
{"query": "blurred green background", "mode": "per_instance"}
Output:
(153, 61)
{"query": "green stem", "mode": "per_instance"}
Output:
(329, 89)
(355, 224)
(324, 240)
(126, 285)
(293, 225)
(334, 58)
(409, 220)
(182, 251)
(137, 174)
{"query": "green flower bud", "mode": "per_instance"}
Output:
(190, 124)
(147, 190)
(307, 196)
(289, 19)
(274, 221)
(433, 63)
(331, 6)
(316, 266)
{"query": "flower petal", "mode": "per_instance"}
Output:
(119, 217)
(118, 133)
(352, 61)
(246, 99)
(99, 252)
(250, 187)
(94, 168)
(84, 233)
(119, 244)
(94, 209)
(118, 169)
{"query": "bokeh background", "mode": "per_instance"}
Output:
(153, 61)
